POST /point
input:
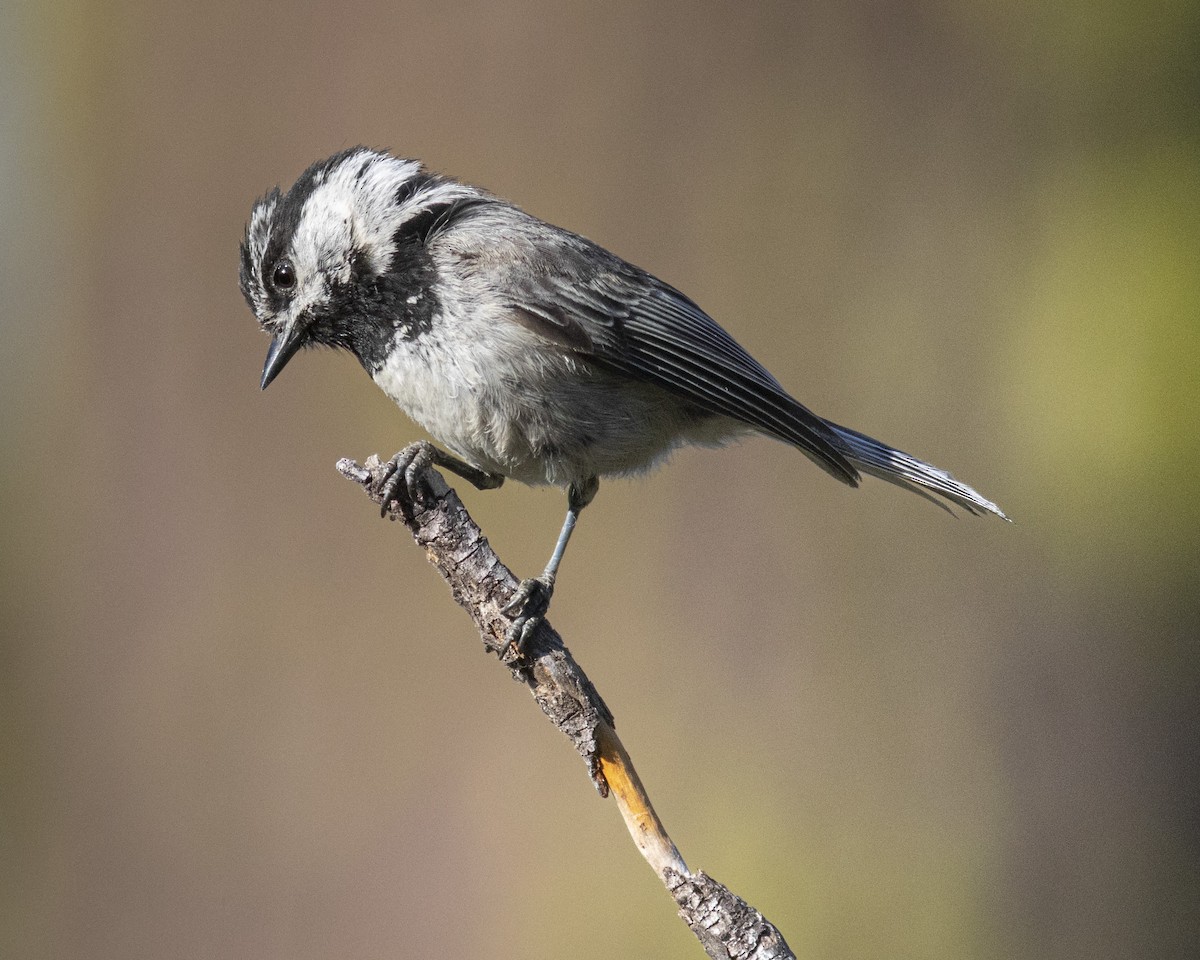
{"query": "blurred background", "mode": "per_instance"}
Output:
(241, 717)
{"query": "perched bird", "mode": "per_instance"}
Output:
(526, 350)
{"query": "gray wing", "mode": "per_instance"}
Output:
(628, 321)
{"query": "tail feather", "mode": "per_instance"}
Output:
(895, 466)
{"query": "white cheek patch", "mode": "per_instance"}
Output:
(367, 182)
(351, 208)
(321, 243)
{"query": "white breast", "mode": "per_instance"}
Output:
(458, 381)
(509, 402)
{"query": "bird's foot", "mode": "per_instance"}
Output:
(527, 608)
(406, 468)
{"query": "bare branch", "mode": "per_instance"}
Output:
(727, 927)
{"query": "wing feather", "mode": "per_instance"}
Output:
(644, 329)
(596, 305)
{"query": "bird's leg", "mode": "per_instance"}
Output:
(406, 466)
(529, 604)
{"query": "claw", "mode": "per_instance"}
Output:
(410, 463)
(528, 608)
(404, 468)
(388, 487)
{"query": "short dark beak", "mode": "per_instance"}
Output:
(283, 348)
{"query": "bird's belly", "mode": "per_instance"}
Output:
(559, 423)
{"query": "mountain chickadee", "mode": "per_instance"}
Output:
(529, 351)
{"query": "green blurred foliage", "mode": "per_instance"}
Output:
(1111, 334)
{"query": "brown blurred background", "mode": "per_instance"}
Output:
(240, 716)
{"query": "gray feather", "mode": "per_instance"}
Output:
(904, 470)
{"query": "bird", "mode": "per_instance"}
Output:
(526, 350)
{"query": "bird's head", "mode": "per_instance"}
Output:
(325, 263)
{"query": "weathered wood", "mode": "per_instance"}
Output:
(727, 927)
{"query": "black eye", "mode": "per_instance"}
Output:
(284, 275)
